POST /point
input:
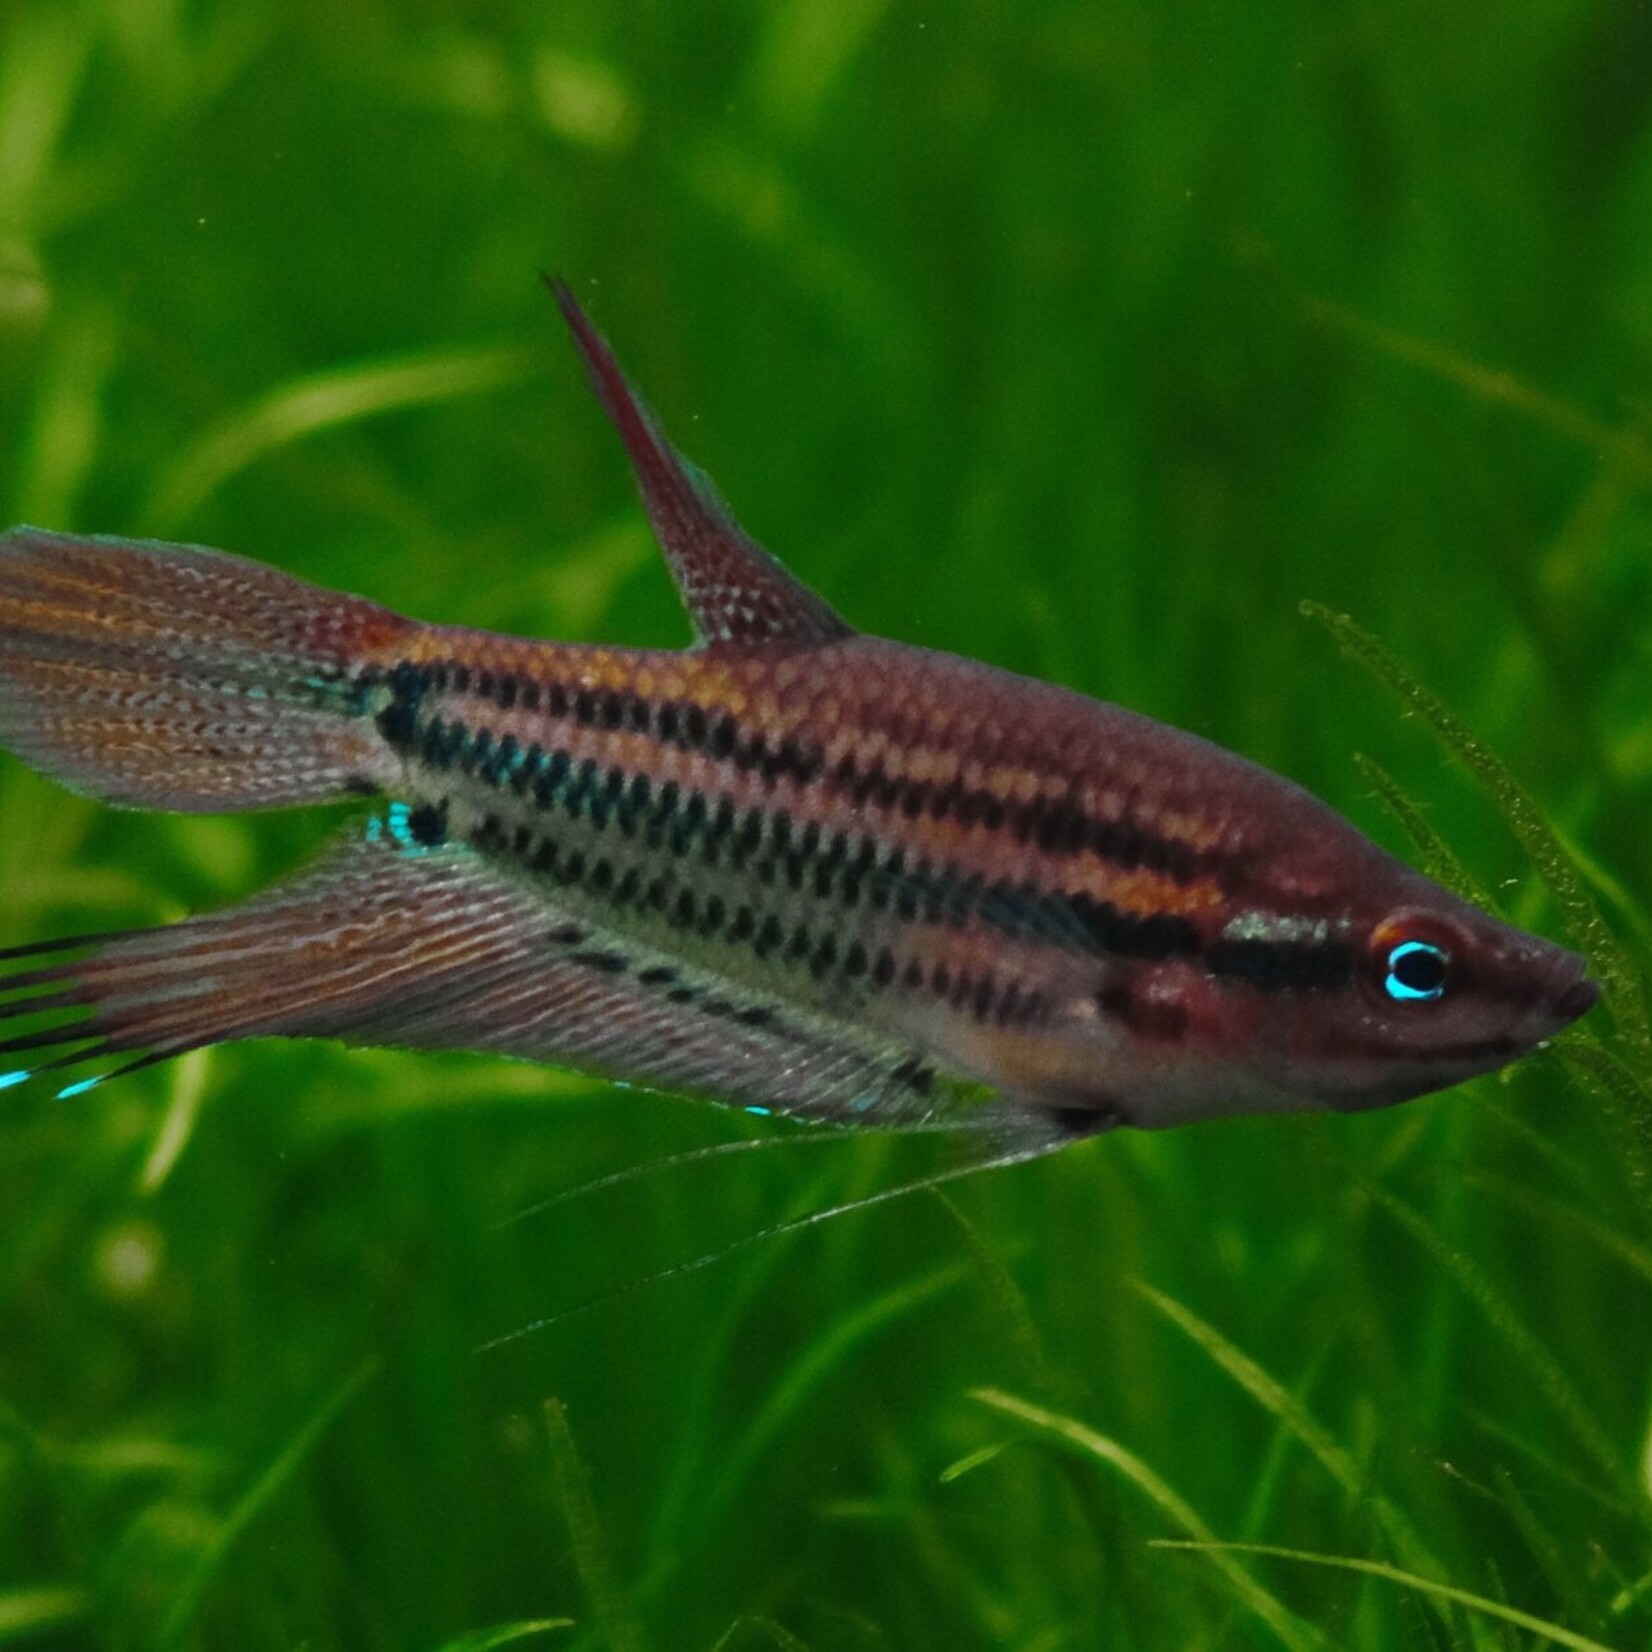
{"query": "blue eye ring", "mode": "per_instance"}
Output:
(1416, 972)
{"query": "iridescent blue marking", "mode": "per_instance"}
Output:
(397, 822)
(761, 1112)
(7, 1080)
(1416, 972)
(79, 1088)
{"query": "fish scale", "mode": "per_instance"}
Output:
(793, 867)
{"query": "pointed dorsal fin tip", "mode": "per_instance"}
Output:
(734, 590)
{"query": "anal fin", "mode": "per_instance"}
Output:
(383, 942)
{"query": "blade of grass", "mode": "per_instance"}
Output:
(189, 1074)
(1268, 1393)
(41, 72)
(773, 1634)
(1626, 446)
(66, 430)
(1289, 1628)
(1280, 1403)
(320, 401)
(573, 1490)
(259, 1496)
(27, 1612)
(1545, 1630)
(504, 1634)
(1628, 1101)
(1438, 859)
(1295, 1417)
(1637, 1258)
(822, 1356)
(1547, 1374)
(1561, 1469)
(803, 52)
(1632, 1594)
(1560, 1571)
(1009, 1304)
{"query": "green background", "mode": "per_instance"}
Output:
(1084, 339)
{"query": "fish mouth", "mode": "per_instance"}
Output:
(1578, 999)
(1570, 991)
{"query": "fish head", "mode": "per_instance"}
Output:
(1389, 987)
(1326, 973)
(1436, 993)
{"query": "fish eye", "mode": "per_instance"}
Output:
(1416, 972)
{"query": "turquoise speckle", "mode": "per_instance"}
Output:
(761, 1112)
(7, 1080)
(79, 1088)
(396, 821)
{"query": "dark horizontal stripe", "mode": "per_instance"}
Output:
(1276, 966)
(768, 846)
(688, 726)
(1057, 826)
(767, 936)
(772, 848)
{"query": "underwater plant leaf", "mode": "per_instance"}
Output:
(1626, 446)
(319, 401)
(1560, 1573)
(620, 1629)
(1008, 1302)
(751, 1631)
(1280, 1403)
(1291, 1630)
(1548, 1376)
(818, 1360)
(259, 1495)
(1434, 854)
(25, 1613)
(1629, 1103)
(1545, 1630)
(504, 1634)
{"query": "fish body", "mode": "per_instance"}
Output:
(793, 867)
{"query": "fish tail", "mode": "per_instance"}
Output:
(169, 677)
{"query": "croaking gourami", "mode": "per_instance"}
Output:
(792, 867)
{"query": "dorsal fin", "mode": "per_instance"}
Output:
(733, 589)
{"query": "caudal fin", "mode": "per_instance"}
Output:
(171, 677)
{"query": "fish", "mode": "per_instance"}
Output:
(793, 867)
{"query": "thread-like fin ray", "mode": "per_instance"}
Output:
(983, 1150)
(734, 590)
(173, 677)
(649, 1169)
(441, 948)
